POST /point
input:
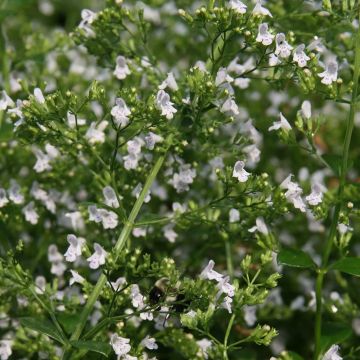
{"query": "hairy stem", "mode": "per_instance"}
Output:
(335, 219)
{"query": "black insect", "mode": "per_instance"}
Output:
(156, 295)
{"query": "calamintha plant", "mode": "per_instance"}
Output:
(179, 179)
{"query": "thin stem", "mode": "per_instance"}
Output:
(226, 338)
(229, 261)
(344, 168)
(117, 248)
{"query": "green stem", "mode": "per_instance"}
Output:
(229, 261)
(344, 168)
(226, 338)
(118, 247)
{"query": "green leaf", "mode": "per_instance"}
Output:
(95, 346)
(295, 258)
(334, 333)
(42, 326)
(349, 265)
(293, 355)
(68, 321)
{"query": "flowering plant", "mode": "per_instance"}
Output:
(180, 179)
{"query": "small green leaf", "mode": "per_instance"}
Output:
(42, 326)
(349, 265)
(295, 258)
(95, 346)
(293, 355)
(68, 321)
(334, 333)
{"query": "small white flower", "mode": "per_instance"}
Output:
(182, 179)
(306, 109)
(75, 248)
(39, 96)
(169, 82)
(40, 284)
(71, 119)
(234, 215)
(260, 227)
(250, 315)
(5, 101)
(230, 107)
(330, 74)
(110, 197)
(264, 36)
(54, 254)
(14, 193)
(149, 343)
(343, 229)
(95, 134)
(282, 124)
(170, 233)
(283, 49)
(225, 287)
(42, 161)
(30, 213)
(75, 278)
(226, 304)
(120, 345)
(332, 353)
(316, 195)
(137, 299)
(293, 193)
(299, 56)
(237, 6)
(121, 113)
(131, 161)
(151, 139)
(121, 70)
(94, 214)
(108, 218)
(3, 198)
(222, 77)
(98, 258)
(210, 274)
(137, 190)
(274, 60)
(5, 349)
(260, 10)
(239, 172)
(119, 283)
(87, 17)
(164, 104)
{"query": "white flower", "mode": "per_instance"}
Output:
(210, 274)
(119, 283)
(71, 119)
(332, 353)
(306, 109)
(242, 83)
(293, 193)
(181, 180)
(260, 10)
(39, 96)
(5, 101)
(14, 193)
(164, 104)
(75, 248)
(134, 146)
(94, 214)
(282, 124)
(75, 278)
(316, 195)
(229, 106)
(87, 17)
(95, 133)
(40, 283)
(131, 161)
(204, 345)
(54, 254)
(253, 153)
(151, 139)
(239, 172)
(120, 112)
(283, 49)
(30, 213)
(237, 6)
(234, 215)
(343, 229)
(98, 258)
(110, 197)
(225, 287)
(139, 232)
(108, 218)
(250, 315)
(226, 304)
(42, 161)
(222, 77)
(137, 191)
(5, 349)
(3, 198)
(120, 345)
(260, 226)
(149, 343)
(299, 56)
(121, 70)
(273, 60)
(137, 299)
(169, 233)
(330, 74)
(169, 82)
(264, 36)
